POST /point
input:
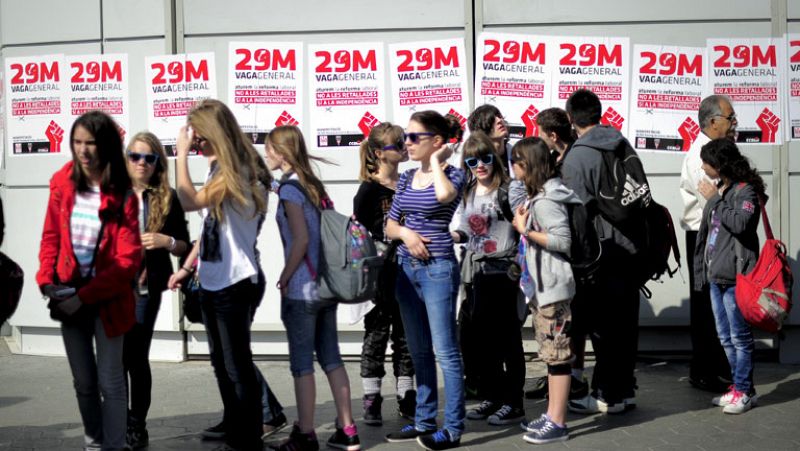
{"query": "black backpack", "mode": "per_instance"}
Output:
(659, 241)
(585, 250)
(623, 191)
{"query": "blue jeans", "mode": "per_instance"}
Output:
(99, 379)
(311, 327)
(227, 315)
(735, 336)
(426, 292)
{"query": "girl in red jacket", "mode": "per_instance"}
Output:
(89, 255)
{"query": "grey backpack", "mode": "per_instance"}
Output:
(349, 263)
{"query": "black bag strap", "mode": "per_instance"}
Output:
(504, 203)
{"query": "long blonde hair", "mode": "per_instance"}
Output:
(240, 167)
(380, 135)
(287, 141)
(159, 198)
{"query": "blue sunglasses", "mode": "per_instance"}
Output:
(149, 158)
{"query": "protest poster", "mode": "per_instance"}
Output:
(265, 85)
(793, 78)
(99, 82)
(347, 92)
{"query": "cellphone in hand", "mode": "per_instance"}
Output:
(64, 292)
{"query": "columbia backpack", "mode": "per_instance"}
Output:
(349, 265)
(764, 295)
(658, 242)
(623, 192)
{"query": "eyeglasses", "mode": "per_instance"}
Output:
(415, 137)
(472, 162)
(396, 147)
(149, 158)
(730, 118)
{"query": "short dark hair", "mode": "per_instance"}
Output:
(433, 122)
(556, 120)
(114, 172)
(482, 118)
(584, 108)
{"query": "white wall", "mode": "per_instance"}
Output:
(143, 28)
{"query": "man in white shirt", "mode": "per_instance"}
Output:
(709, 369)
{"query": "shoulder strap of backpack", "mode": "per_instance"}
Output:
(505, 205)
(299, 186)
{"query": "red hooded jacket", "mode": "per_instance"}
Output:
(118, 255)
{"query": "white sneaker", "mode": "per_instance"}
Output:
(725, 399)
(590, 404)
(740, 403)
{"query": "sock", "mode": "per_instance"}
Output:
(350, 430)
(577, 373)
(372, 385)
(404, 384)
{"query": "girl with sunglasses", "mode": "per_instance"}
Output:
(310, 322)
(491, 328)
(428, 279)
(234, 204)
(381, 153)
(162, 225)
(90, 252)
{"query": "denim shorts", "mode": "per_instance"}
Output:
(311, 327)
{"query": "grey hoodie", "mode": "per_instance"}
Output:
(581, 170)
(549, 269)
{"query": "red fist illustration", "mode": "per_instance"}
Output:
(768, 123)
(612, 118)
(688, 131)
(367, 122)
(55, 134)
(529, 119)
(461, 119)
(285, 119)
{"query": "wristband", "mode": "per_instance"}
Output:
(189, 270)
(172, 244)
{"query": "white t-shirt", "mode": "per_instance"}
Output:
(238, 233)
(691, 174)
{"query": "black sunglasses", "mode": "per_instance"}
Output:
(472, 162)
(149, 158)
(414, 137)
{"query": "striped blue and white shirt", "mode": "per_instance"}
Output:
(85, 227)
(424, 214)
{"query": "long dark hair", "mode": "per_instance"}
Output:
(433, 122)
(381, 135)
(114, 176)
(538, 162)
(476, 146)
(723, 155)
(288, 142)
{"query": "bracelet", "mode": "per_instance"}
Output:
(189, 270)
(172, 243)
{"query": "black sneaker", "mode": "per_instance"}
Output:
(216, 432)
(506, 415)
(440, 439)
(137, 437)
(274, 426)
(340, 440)
(405, 434)
(407, 405)
(298, 441)
(539, 390)
(578, 388)
(483, 410)
(372, 409)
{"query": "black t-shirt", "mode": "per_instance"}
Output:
(371, 205)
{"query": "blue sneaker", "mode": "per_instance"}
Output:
(534, 425)
(439, 440)
(549, 432)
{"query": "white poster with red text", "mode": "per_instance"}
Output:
(668, 86)
(36, 102)
(429, 75)
(748, 71)
(174, 83)
(265, 85)
(347, 92)
(514, 74)
(99, 82)
(601, 65)
(793, 79)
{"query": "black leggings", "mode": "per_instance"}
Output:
(136, 358)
